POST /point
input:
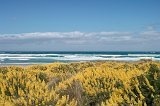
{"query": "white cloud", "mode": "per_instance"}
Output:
(75, 36)
(82, 40)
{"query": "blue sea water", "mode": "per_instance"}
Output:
(39, 57)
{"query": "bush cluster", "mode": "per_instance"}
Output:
(101, 83)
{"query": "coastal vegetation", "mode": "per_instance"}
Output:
(100, 83)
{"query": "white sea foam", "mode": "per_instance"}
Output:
(36, 58)
(29, 55)
(11, 58)
(146, 57)
(142, 55)
(19, 59)
(109, 55)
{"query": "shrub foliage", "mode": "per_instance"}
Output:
(81, 84)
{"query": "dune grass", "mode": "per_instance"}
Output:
(105, 83)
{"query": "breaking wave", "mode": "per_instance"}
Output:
(40, 57)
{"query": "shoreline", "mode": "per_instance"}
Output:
(119, 61)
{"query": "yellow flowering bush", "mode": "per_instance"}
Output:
(101, 83)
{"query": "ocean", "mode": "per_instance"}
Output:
(39, 57)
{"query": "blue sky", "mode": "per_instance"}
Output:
(106, 25)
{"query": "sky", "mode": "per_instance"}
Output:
(79, 25)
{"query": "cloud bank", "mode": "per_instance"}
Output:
(86, 40)
(66, 37)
